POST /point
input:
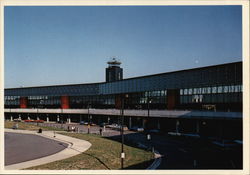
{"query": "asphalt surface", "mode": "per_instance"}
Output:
(179, 153)
(25, 147)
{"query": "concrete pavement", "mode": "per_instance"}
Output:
(75, 146)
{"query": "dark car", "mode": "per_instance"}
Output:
(61, 121)
(81, 122)
(154, 131)
(136, 128)
(103, 124)
(92, 124)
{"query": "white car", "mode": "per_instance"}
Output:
(117, 127)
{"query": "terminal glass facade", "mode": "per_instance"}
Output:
(215, 87)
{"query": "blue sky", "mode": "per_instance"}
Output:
(67, 45)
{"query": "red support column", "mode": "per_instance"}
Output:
(172, 98)
(65, 102)
(118, 101)
(23, 102)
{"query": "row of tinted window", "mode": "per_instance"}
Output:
(44, 100)
(80, 100)
(212, 98)
(55, 90)
(133, 85)
(145, 97)
(223, 74)
(11, 100)
(211, 90)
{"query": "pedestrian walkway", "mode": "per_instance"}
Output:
(75, 146)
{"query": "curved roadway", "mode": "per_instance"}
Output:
(25, 147)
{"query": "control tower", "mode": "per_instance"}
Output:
(113, 71)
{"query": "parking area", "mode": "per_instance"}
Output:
(94, 129)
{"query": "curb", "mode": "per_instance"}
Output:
(75, 146)
(157, 157)
(156, 162)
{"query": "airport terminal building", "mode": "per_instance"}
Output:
(218, 87)
(211, 94)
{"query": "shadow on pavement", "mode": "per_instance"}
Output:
(186, 153)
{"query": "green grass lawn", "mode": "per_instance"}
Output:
(32, 127)
(104, 154)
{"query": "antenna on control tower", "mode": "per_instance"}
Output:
(114, 62)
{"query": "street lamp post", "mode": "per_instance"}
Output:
(122, 115)
(148, 139)
(61, 120)
(122, 130)
(88, 119)
(149, 100)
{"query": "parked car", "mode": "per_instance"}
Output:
(17, 120)
(103, 124)
(85, 123)
(81, 123)
(92, 124)
(117, 127)
(28, 120)
(114, 125)
(125, 128)
(39, 121)
(154, 131)
(136, 128)
(89, 123)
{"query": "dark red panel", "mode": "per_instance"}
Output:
(172, 98)
(118, 102)
(65, 102)
(23, 102)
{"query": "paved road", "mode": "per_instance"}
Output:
(189, 154)
(24, 147)
(194, 154)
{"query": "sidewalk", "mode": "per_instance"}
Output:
(76, 146)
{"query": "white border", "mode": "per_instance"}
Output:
(246, 75)
(246, 85)
(1, 84)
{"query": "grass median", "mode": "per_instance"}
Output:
(30, 126)
(104, 154)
